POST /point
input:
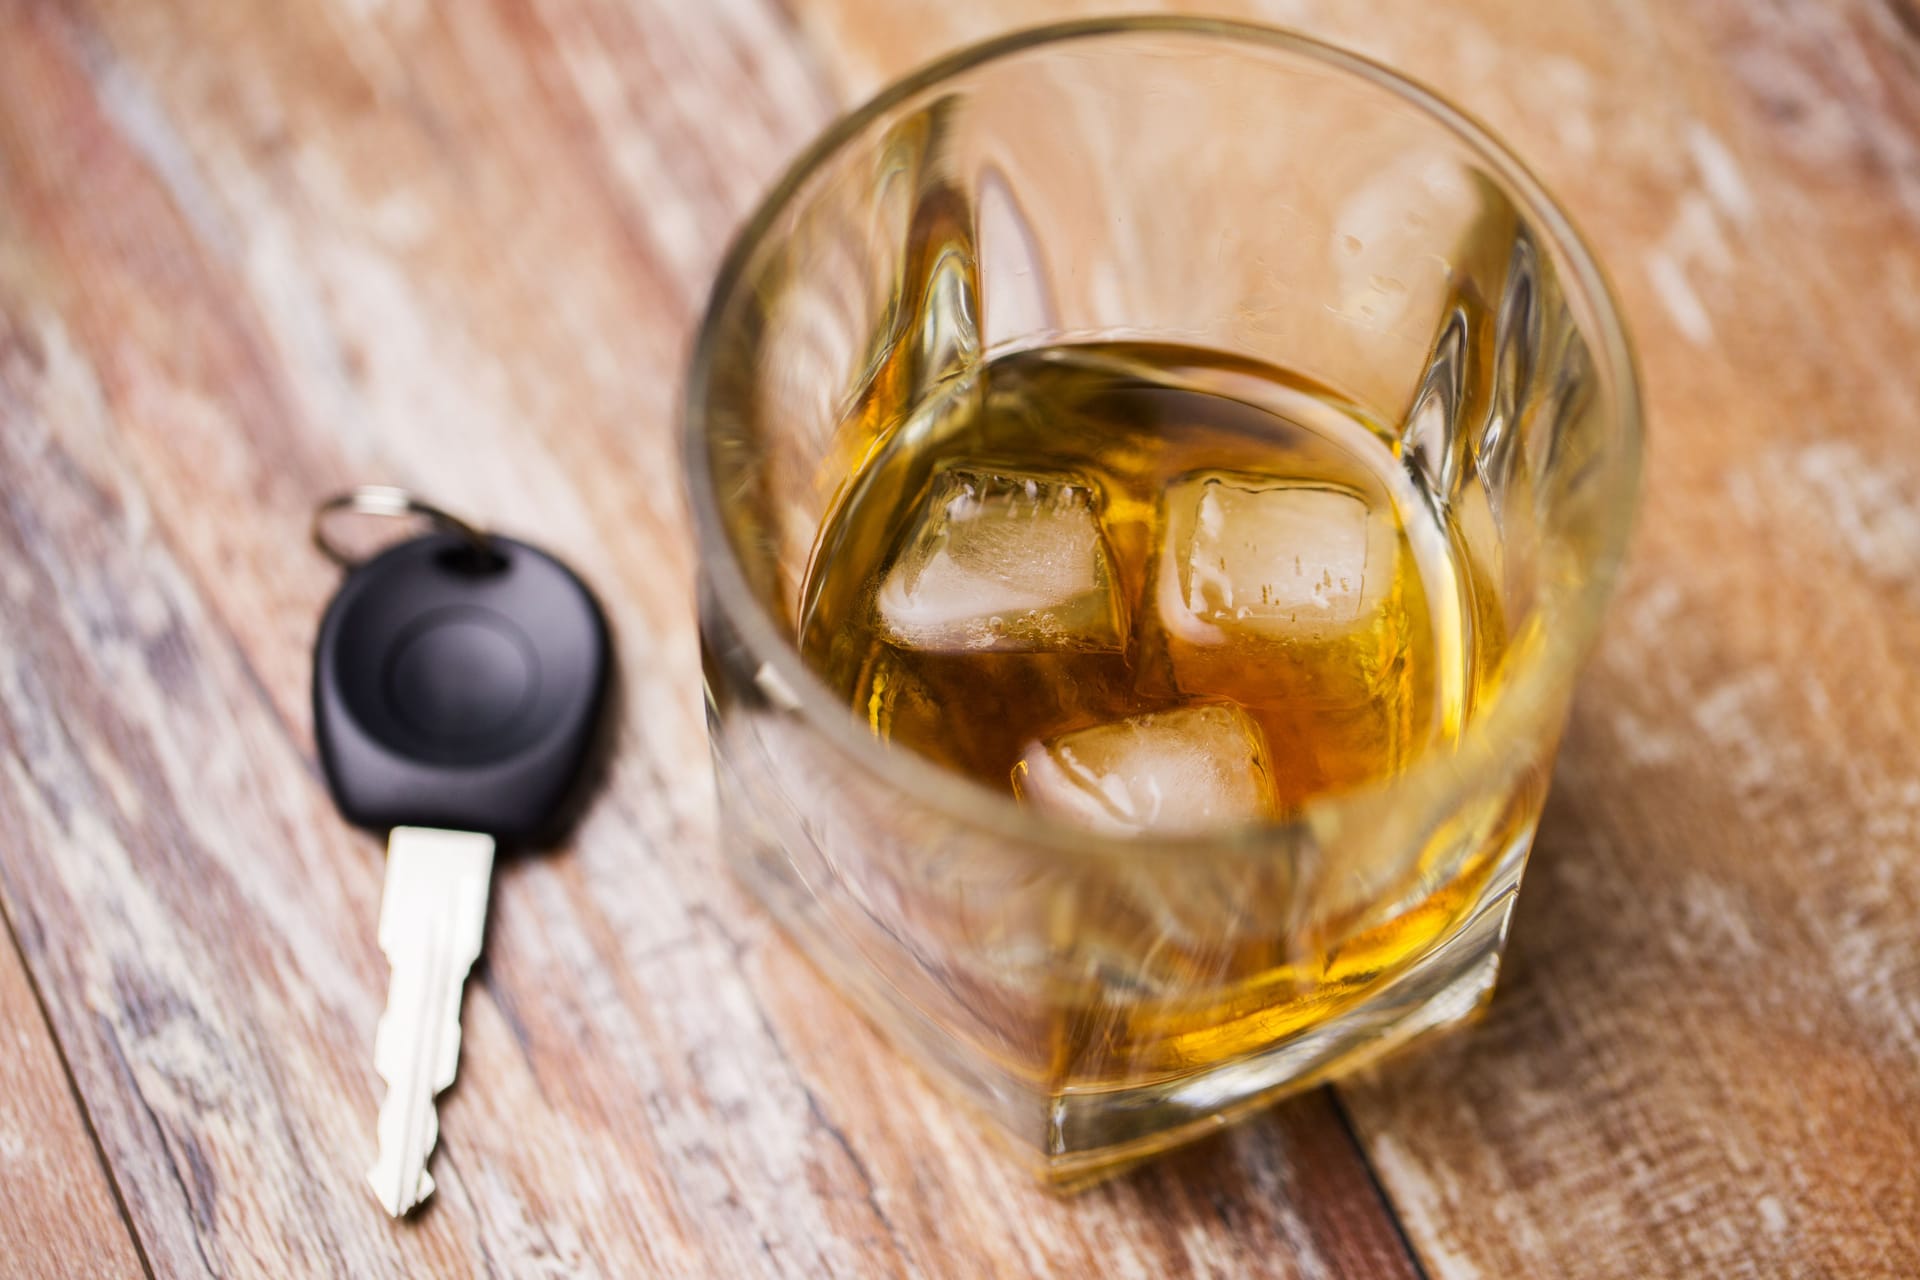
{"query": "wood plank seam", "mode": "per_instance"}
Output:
(73, 1091)
(1388, 1209)
(834, 1132)
(139, 1098)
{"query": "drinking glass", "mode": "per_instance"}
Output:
(1096, 998)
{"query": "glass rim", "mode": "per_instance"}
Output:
(973, 804)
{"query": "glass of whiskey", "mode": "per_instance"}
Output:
(1155, 480)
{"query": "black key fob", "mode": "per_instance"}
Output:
(460, 686)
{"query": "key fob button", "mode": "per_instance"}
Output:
(462, 677)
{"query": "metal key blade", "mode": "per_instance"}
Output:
(433, 914)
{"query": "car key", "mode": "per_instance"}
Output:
(459, 680)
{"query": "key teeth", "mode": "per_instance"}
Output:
(401, 1152)
(392, 1196)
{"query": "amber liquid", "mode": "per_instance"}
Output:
(1035, 578)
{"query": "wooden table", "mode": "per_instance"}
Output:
(251, 253)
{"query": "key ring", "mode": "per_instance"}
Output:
(392, 502)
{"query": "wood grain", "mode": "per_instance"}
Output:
(61, 1218)
(249, 254)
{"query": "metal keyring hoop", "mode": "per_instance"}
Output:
(392, 502)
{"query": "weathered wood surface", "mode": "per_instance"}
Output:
(60, 1216)
(250, 253)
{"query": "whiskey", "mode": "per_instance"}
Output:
(1145, 589)
(1159, 593)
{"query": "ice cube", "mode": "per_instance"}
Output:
(1283, 557)
(1004, 562)
(1181, 772)
(1274, 582)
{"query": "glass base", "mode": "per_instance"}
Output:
(1092, 1135)
(1075, 1137)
